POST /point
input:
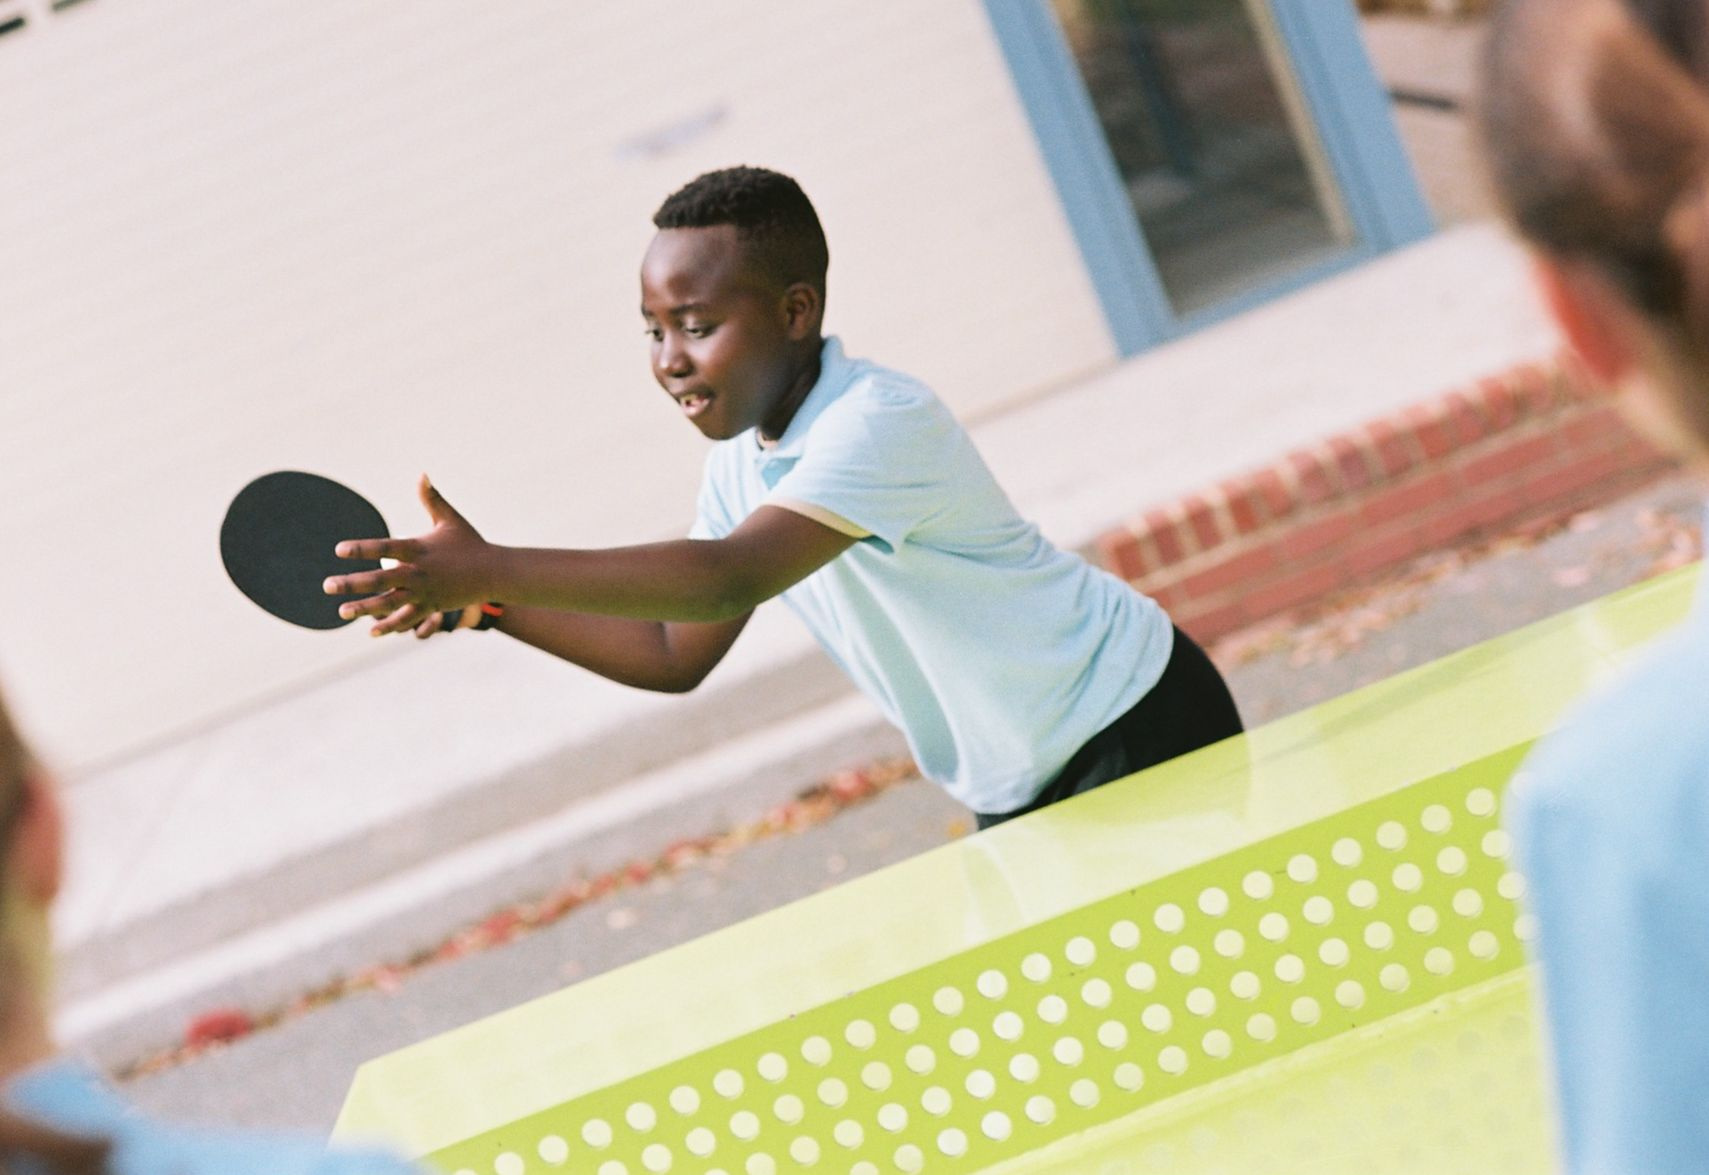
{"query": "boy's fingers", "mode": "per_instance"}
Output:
(369, 583)
(403, 550)
(381, 605)
(431, 625)
(438, 509)
(404, 618)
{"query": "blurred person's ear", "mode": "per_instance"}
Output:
(36, 857)
(34, 866)
(1606, 333)
(1660, 392)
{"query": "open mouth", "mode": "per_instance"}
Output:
(694, 403)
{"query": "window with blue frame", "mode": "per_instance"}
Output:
(1211, 153)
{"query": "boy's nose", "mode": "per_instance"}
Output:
(673, 360)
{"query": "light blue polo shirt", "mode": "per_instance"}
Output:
(1610, 817)
(72, 1098)
(997, 654)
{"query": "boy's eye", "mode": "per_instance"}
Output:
(697, 331)
(654, 333)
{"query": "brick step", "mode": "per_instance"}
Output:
(1537, 441)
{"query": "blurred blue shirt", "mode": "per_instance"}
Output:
(1611, 820)
(74, 1099)
(996, 653)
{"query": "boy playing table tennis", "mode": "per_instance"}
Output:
(1019, 674)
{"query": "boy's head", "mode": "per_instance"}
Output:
(733, 294)
(772, 216)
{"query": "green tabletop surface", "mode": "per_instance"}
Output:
(1297, 950)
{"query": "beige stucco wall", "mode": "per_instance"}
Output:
(373, 238)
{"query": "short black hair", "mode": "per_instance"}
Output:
(771, 213)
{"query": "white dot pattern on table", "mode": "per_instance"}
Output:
(1424, 1100)
(1080, 1019)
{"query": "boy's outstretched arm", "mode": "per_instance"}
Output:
(701, 581)
(670, 657)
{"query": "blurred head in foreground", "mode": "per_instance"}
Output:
(31, 840)
(1596, 124)
(1596, 120)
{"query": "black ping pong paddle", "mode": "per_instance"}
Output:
(277, 543)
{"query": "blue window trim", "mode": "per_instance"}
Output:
(1355, 120)
(1340, 90)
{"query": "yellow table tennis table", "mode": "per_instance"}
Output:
(1297, 951)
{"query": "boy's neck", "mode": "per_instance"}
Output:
(777, 421)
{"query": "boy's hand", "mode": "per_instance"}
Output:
(436, 623)
(448, 567)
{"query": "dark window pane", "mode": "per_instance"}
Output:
(1201, 112)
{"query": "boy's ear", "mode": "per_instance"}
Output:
(1597, 323)
(803, 310)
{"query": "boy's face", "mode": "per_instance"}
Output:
(725, 344)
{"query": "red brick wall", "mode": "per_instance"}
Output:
(1536, 441)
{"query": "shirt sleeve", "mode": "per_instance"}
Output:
(366, 1162)
(822, 516)
(881, 459)
(1616, 886)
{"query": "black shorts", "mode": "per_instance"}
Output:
(1189, 707)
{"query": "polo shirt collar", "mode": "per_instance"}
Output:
(835, 373)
